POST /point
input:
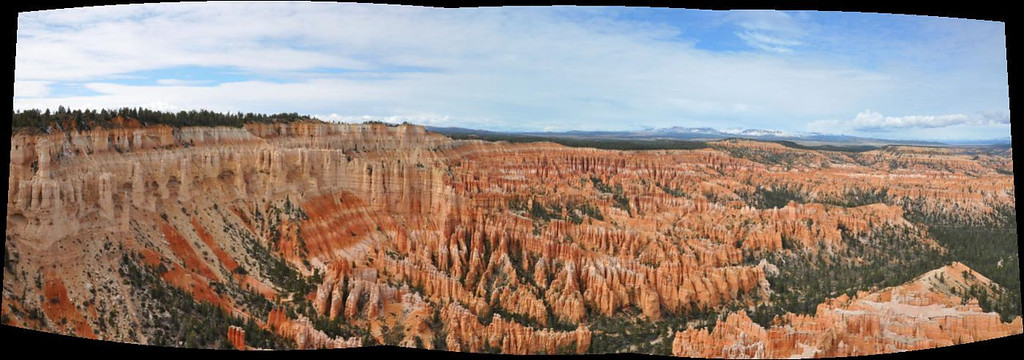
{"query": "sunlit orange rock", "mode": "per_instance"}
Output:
(498, 241)
(919, 314)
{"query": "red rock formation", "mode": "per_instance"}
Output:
(401, 222)
(466, 333)
(340, 227)
(236, 337)
(208, 239)
(304, 334)
(920, 314)
(184, 251)
(59, 309)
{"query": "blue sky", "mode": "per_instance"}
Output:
(528, 69)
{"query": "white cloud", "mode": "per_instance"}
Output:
(769, 30)
(108, 41)
(159, 106)
(434, 120)
(872, 122)
(515, 67)
(31, 89)
(765, 20)
(767, 42)
(498, 68)
(180, 82)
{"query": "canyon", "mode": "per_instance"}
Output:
(922, 314)
(313, 235)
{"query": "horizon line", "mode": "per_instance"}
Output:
(786, 135)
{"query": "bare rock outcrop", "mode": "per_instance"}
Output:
(304, 334)
(236, 337)
(920, 314)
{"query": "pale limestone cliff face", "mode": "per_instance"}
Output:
(405, 225)
(920, 314)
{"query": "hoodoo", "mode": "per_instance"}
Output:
(314, 235)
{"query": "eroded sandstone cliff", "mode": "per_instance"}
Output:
(352, 235)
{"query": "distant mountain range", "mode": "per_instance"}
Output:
(710, 134)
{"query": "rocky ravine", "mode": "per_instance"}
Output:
(350, 235)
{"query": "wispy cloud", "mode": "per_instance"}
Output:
(770, 30)
(180, 82)
(874, 122)
(767, 42)
(32, 88)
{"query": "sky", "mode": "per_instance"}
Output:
(527, 68)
